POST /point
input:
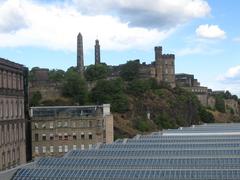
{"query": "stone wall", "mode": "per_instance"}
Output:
(12, 115)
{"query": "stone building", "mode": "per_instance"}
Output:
(13, 108)
(165, 67)
(188, 82)
(231, 105)
(58, 129)
(162, 69)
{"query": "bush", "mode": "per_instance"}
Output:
(96, 72)
(206, 116)
(75, 87)
(142, 125)
(130, 70)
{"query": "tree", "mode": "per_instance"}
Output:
(206, 116)
(56, 75)
(35, 98)
(139, 86)
(96, 72)
(75, 87)
(111, 91)
(220, 105)
(130, 70)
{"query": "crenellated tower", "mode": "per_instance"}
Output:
(165, 67)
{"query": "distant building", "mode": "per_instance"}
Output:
(165, 67)
(231, 105)
(162, 69)
(188, 82)
(13, 114)
(97, 52)
(56, 130)
(80, 60)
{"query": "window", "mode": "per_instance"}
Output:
(60, 149)
(82, 146)
(36, 150)
(74, 147)
(43, 125)
(82, 136)
(66, 148)
(59, 124)
(3, 159)
(65, 136)
(44, 149)
(60, 136)
(36, 137)
(51, 125)
(36, 125)
(51, 149)
(90, 136)
(74, 124)
(82, 124)
(65, 124)
(74, 136)
(90, 146)
(99, 123)
(89, 123)
(44, 138)
(51, 137)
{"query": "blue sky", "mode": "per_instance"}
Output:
(204, 35)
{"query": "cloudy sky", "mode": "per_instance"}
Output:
(204, 35)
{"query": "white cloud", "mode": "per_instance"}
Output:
(148, 13)
(232, 75)
(11, 16)
(56, 25)
(210, 32)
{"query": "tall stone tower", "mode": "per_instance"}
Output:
(80, 60)
(97, 52)
(165, 67)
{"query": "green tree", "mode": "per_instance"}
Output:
(206, 116)
(35, 98)
(130, 70)
(139, 86)
(111, 91)
(220, 105)
(56, 75)
(96, 72)
(75, 87)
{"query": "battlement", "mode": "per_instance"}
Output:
(168, 56)
(158, 48)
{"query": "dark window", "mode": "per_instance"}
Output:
(82, 136)
(90, 136)
(60, 137)
(44, 138)
(36, 137)
(65, 137)
(74, 137)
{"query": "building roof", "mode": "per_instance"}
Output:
(210, 151)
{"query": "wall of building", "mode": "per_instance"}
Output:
(12, 115)
(57, 133)
(231, 105)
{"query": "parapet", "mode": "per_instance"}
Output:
(168, 56)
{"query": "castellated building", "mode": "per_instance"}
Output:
(162, 69)
(13, 108)
(165, 67)
(59, 129)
